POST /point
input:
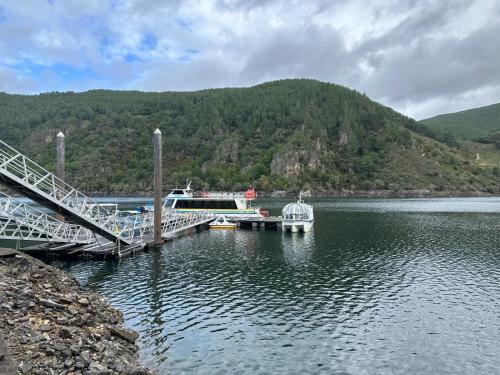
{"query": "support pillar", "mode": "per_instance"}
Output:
(157, 188)
(60, 162)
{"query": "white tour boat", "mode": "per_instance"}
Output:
(297, 217)
(232, 205)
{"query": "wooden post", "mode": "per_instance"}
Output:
(157, 188)
(60, 162)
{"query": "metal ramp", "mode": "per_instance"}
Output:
(176, 223)
(33, 181)
(20, 221)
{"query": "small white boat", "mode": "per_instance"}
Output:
(297, 217)
(221, 223)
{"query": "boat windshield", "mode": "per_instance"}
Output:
(169, 202)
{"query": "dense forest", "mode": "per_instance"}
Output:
(477, 124)
(282, 135)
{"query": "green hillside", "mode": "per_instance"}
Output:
(282, 135)
(468, 125)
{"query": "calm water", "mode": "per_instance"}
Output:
(379, 287)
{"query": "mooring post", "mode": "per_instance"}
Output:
(157, 188)
(60, 162)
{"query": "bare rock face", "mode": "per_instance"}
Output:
(343, 138)
(287, 164)
(51, 325)
(228, 151)
(291, 164)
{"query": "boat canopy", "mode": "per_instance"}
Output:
(297, 211)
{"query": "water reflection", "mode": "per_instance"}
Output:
(365, 292)
(297, 247)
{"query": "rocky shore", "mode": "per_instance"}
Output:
(421, 193)
(50, 325)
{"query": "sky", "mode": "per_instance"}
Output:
(419, 57)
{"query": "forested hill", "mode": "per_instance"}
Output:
(282, 135)
(477, 124)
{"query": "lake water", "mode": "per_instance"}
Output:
(379, 287)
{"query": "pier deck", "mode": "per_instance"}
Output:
(267, 223)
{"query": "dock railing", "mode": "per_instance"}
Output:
(19, 220)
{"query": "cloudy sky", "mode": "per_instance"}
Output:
(420, 57)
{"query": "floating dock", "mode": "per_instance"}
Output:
(267, 223)
(82, 226)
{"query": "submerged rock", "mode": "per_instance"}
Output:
(51, 325)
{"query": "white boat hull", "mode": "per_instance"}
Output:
(297, 226)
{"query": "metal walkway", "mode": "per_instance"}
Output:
(20, 221)
(33, 181)
(173, 224)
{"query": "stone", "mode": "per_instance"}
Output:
(45, 328)
(97, 369)
(25, 368)
(52, 326)
(126, 334)
(52, 304)
(85, 358)
(65, 333)
(62, 321)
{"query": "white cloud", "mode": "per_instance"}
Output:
(420, 57)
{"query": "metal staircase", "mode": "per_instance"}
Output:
(20, 221)
(33, 181)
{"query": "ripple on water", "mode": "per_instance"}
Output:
(384, 287)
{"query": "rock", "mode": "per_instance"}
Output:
(45, 328)
(50, 303)
(65, 333)
(25, 368)
(85, 358)
(126, 334)
(53, 326)
(62, 321)
(97, 369)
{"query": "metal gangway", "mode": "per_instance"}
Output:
(28, 178)
(172, 225)
(20, 221)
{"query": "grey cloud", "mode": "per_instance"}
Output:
(417, 66)
(310, 51)
(11, 81)
(443, 67)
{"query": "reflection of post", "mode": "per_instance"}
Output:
(60, 162)
(157, 188)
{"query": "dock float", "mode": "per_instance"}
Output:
(266, 223)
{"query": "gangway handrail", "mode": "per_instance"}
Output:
(23, 174)
(22, 221)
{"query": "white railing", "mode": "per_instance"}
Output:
(176, 222)
(19, 172)
(21, 221)
(219, 195)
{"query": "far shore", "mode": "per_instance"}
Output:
(345, 193)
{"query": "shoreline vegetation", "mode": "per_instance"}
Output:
(413, 193)
(49, 324)
(286, 135)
